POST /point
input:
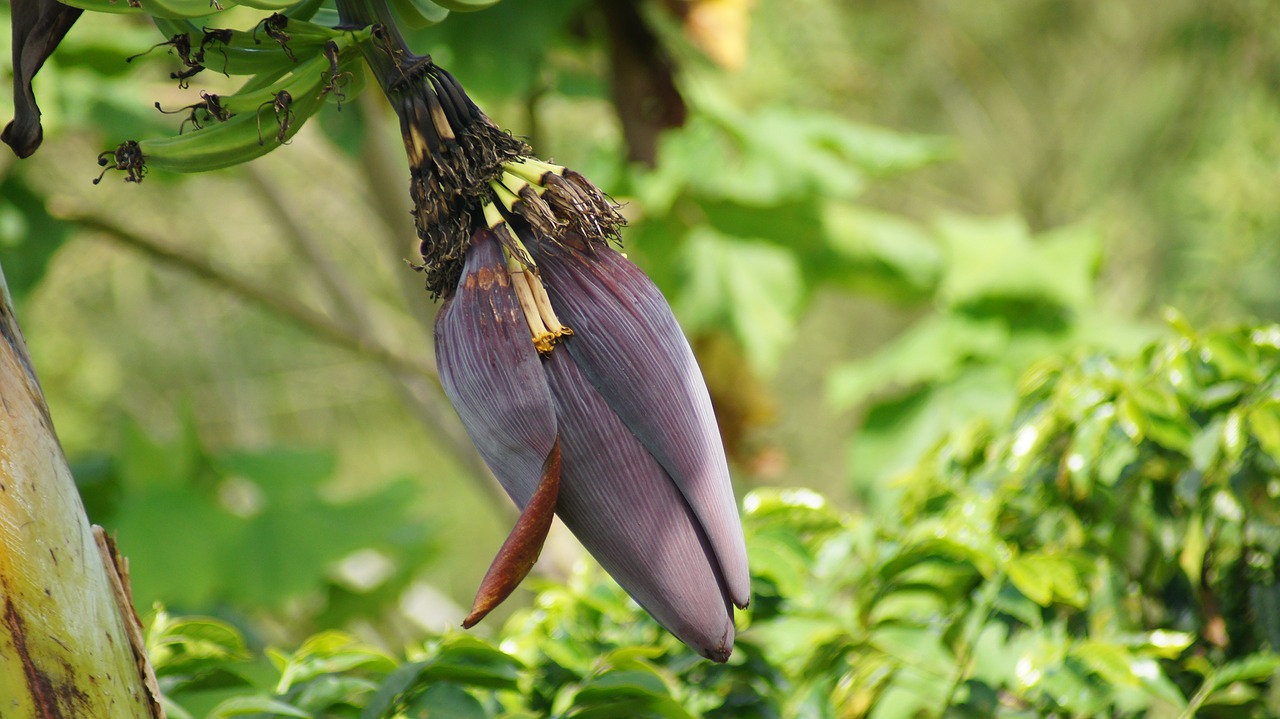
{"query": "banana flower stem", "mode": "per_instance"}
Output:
(387, 53)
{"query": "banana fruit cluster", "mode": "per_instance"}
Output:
(292, 67)
(418, 14)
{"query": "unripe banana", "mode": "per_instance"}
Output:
(239, 52)
(185, 8)
(114, 7)
(419, 14)
(283, 107)
(466, 5)
(306, 76)
(176, 9)
(272, 5)
(242, 138)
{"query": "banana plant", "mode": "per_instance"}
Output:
(564, 361)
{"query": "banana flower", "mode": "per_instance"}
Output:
(564, 362)
(616, 399)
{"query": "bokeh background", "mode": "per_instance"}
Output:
(871, 217)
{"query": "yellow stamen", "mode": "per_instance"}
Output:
(528, 305)
(543, 302)
(544, 327)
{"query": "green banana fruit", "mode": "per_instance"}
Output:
(239, 52)
(249, 130)
(272, 5)
(466, 5)
(302, 78)
(176, 9)
(304, 10)
(419, 14)
(242, 138)
(118, 7)
(185, 8)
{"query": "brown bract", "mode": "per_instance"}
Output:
(519, 553)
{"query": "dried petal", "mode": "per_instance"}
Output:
(630, 347)
(492, 374)
(626, 511)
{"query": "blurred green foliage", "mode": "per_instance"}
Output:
(1112, 552)
(259, 531)
(887, 215)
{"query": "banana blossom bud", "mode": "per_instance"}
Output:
(618, 407)
(565, 363)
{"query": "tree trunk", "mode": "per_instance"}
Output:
(70, 644)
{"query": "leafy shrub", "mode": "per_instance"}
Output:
(1111, 554)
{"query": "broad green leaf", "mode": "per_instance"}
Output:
(919, 648)
(447, 701)
(497, 53)
(274, 556)
(391, 689)
(467, 660)
(751, 287)
(1264, 424)
(329, 652)
(1032, 580)
(1254, 667)
(995, 269)
(189, 644)
(889, 253)
(259, 704)
(1232, 358)
(1112, 661)
(29, 236)
(936, 349)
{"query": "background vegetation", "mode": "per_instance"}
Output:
(925, 251)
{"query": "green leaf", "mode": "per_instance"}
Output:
(499, 53)
(275, 556)
(994, 269)
(1232, 358)
(467, 660)
(754, 288)
(1112, 661)
(935, 349)
(390, 690)
(164, 569)
(191, 644)
(919, 648)
(446, 701)
(638, 691)
(1264, 424)
(29, 236)
(1032, 577)
(330, 652)
(888, 253)
(256, 704)
(1252, 668)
